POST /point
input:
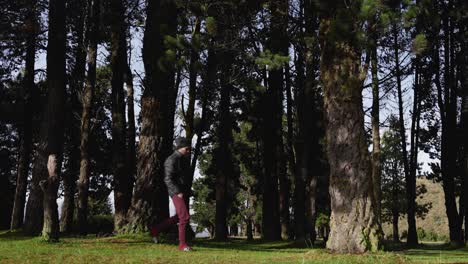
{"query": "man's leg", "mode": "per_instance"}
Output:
(155, 230)
(184, 217)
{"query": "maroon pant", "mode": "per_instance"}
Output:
(182, 216)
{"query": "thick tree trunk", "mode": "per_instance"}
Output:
(353, 222)
(50, 230)
(150, 201)
(34, 217)
(412, 239)
(27, 91)
(54, 116)
(88, 94)
(122, 192)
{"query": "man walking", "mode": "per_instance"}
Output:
(176, 168)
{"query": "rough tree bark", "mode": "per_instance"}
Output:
(27, 91)
(54, 116)
(150, 200)
(88, 93)
(34, 217)
(354, 226)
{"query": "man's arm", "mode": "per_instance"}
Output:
(169, 173)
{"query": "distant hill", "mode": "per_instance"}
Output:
(436, 220)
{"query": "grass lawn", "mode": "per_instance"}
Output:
(17, 248)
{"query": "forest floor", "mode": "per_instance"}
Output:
(17, 248)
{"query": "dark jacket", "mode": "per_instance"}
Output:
(176, 169)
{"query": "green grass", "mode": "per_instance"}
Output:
(17, 248)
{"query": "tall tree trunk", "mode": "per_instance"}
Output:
(275, 204)
(414, 144)
(189, 116)
(395, 200)
(54, 115)
(194, 57)
(290, 122)
(375, 120)
(353, 222)
(76, 86)
(301, 172)
(291, 159)
(412, 239)
(464, 112)
(128, 78)
(448, 155)
(223, 155)
(415, 125)
(280, 44)
(210, 85)
(150, 200)
(122, 195)
(27, 91)
(88, 94)
(464, 121)
(307, 146)
(224, 160)
(312, 110)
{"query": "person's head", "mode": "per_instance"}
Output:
(183, 145)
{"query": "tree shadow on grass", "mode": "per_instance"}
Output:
(256, 245)
(15, 235)
(428, 250)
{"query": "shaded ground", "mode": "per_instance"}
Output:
(17, 248)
